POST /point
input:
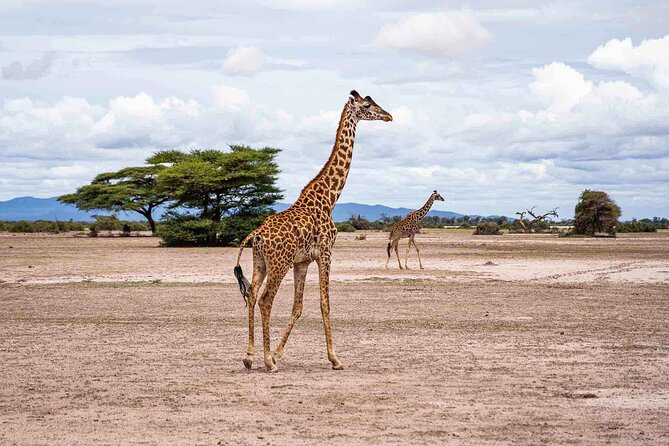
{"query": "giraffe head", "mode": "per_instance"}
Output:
(437, 196)
(365, 109)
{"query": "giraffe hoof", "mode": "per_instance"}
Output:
(337, 366)
(248, 363)
(272, 369)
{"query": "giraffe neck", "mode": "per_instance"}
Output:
(324, 190)
(426, 208)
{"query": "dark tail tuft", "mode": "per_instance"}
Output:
(243, 283)
(388, 249)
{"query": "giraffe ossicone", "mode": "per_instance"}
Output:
(408, 227)
(302, 234)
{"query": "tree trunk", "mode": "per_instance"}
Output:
(152, 224)
(148, 214)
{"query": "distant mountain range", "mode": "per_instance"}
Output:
(30, 208)
(343, 211)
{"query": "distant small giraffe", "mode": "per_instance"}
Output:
(408, 227)
(301, 234)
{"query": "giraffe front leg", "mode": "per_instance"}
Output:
(300, 274)
(324, 281)
(259, 274)
(418, 253)
(406, 257)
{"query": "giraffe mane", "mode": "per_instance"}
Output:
(333, 153)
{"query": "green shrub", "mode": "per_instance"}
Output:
(345, 227)
(107, 223)
(487, 228)
(138, 226)
(20, 226)
(233, 230)
(636, 226)
(183, 231)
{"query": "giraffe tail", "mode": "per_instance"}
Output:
(388, 248)
(244, 284)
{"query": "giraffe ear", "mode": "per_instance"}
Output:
(355, 94)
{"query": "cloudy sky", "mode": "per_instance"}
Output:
(498, 104)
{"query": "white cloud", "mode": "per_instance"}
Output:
(140, 121)
(648, 60)
(244, 61)
(441, 33)
(559, 86)
(228, 97)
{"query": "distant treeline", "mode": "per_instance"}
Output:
(101, 223)
(354, 223)
(357, 222)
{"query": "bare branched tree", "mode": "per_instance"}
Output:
(530, 225)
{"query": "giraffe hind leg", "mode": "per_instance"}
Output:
(259, 274)
(388, 248)
(265, 303)
(397, 253)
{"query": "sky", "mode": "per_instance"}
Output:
(499, 105)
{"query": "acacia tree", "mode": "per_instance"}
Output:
(230, 193)
(129, 189)
(595, 213)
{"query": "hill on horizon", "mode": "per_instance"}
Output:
(31, 208)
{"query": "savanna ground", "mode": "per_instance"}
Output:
(500, 340)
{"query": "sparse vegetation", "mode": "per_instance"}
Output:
(102, 223)
(54, 227)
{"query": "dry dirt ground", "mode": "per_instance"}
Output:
(499, 340)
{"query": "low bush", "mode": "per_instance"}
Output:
(487, 228)
(345, 227)
(184, 231)
(636, 226)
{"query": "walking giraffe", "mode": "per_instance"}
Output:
(301, 234)
(408, 227)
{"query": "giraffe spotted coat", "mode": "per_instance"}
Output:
(408, 227)
(302, 234)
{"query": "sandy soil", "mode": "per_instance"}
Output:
(500, 340)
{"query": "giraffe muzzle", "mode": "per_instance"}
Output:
(388, 117)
